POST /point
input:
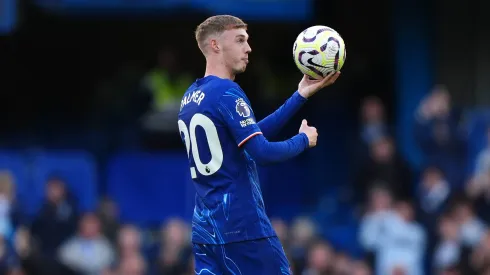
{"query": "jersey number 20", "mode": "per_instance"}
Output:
(216, 161)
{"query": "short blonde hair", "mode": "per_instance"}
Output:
(216, 25)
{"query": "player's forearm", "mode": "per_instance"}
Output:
(265, 152)
(275, 121)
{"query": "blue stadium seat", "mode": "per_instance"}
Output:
(344, 238)
(78, 168)
(150, 188)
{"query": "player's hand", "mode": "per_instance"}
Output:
(310, 132)
(308, 87)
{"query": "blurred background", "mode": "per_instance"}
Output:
(94, 178)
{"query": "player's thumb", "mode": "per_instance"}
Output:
(304, 123)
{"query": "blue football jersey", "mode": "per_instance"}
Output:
(215, 120)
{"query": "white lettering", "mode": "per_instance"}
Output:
(196, 97)
(201, 97)
(246, 122)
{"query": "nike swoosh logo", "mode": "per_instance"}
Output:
(310, 61)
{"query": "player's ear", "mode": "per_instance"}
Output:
(214, 45)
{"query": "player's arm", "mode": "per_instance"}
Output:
(266, 152)
(238, 116)
(274, 122)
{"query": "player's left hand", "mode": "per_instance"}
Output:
(308, 87)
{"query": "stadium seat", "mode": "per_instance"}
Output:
(344, 238)
(151, 188)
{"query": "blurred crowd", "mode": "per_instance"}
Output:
(410, 220)
(430, 219)
(62, 240)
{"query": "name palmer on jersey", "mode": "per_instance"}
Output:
(241, 107)
(196, 97)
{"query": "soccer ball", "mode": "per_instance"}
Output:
(318, 50)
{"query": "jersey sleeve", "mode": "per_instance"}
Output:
(275, 121)
(237, 114)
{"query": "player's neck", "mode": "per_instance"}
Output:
(218, 70)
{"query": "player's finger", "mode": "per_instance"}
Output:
(332, 79)
(335, 76)
(332, 74)
(327, 78)
(304, 122)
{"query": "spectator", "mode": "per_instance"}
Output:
(133, 264)
(8, 259)
(175, 248)
(341, 264)
(450, 271)
(438, 133)
(360, 268)
(88, 252)
(471, 228)
(448, 251)
(57, 219)
(480, 258)
(373, 121)
(385, 167)
(372, 223)
(398, 241)
(303, 234)
(482, 166)
(434, 198)
(108, 216)
(7, 195)
(320, 259)
(129, 241)
(33, 261)
(478, 187)
(163, 85)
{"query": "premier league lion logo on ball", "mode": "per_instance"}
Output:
(242, 108)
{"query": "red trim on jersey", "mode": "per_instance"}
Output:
(249, 137)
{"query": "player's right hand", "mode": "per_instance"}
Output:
(308, 87)
(310, 132)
